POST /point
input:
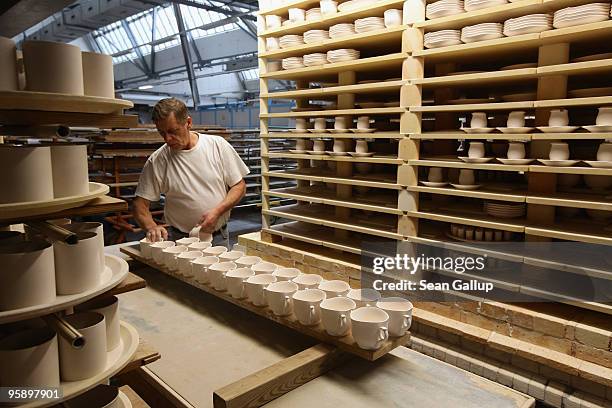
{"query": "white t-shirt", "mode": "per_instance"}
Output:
(193, 181)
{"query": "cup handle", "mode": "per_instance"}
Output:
(286, 302)
(311, 313)
(383, 334)
(342, 321)
(407, 322)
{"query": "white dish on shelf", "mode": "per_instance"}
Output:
(318, 130)
(557, 129)
(515, 130)
(599, 164)
(515, 162)
(369, 130)
(599, 128)
(363, 154)
(116, 269)
(519, 66)
(435, 184)
(478, 130)
(337, 153)
(297, 151)
(476, 160)
(558, 163)
(466, 187)
(338, 130)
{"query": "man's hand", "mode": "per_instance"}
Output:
(208, 221)
(157, 233)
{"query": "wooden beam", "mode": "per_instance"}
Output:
(276, 380)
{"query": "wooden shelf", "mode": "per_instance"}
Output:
(577, 68)
(374, 88)
(376, 9)
(490, 194)
(56, 102)
(570, 170)
(36, 117)
(474, 107)
(470, 136)
(571, 136)
(584, 32)
(574, 231)
(337, 112)
(457, 164)
(345, 343)
(378, 39)
(284, 9)
(389, 62)
(481, 78)
(324, 157)
(312, 234)
(350, 135)
(590, 201)
(327, 177)
(569, 102)
(484, 220)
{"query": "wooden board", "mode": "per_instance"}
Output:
(130, 283)
(470, 136)
(480, 78)
(325, 178)
(336, 112)
(457, 164)
(343, 343)
(484, 193)
(474, 107)
(375, 88)
(36, 117)
(46, 101)
(276, 380)
(325, 157)
(350, 135)
(145, 354)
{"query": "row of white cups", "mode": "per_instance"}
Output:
(286, 291)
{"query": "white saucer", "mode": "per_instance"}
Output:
(338, 130)
(434, 183)
(558, 163)
(557, 129)
(315, 152)
(515, 161)
(356, 154)
(476, 159)
(478, 130)
(298, 130)
(318, 130)
(297, 151)
(513, 130)
(599, 164)
(337, 153)
(467, 186)
(599, 128)
(363, 130)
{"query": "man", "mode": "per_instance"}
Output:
(201, 177)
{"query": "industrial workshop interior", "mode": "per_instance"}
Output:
(304, 203)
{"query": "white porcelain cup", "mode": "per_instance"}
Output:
(604, 153)
(516, 119)
(319, 146)
(469, 233)
(516, 151)
(363, 122)
(559, 151)
(214, 250)
(236, 282)
(303, 144)
(339, 146)
(604, 116)
(280, 297)
(335, 315)
(187, 241)
(467, 177)
(488, 235)
(94, 227)
(145, 248)
(364, 297)
(231, 256)
(334, 288)
(478, 234)
(328, 6)
(199, 268)
(109, 308)
(273, 21)
(216, 274)
(370, 327)
(90, 360)
(308, 281)
(170, 254)
(340, 123)
(320, 124)
(306, 306)
(393, 18)
(477, 150)
(158, 248)
(301, 124)
(297, 15)
(30, 358)
(361, 146)
(247, 261)
(479, 120)
(558, 117)
(400, 314)
(264, 267)
(435, 175)
(199, 246)
(255, 286)
(184, 262)
(286, 274)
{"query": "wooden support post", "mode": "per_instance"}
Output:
(276, 380)
(302, 164)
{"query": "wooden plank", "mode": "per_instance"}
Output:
(462, 165)
(325, 178)
(474, 107)
(483, 194)
(577, 68)
(291, 135)
(336, 112)
(583, 32)
(570, 170)
(573, 232)
(571, 136)
(295, 231)
(480, 78)
(485, 221)
(377, 87)
(56, 102)
(324, 157)
(345, 343)
(470, 136)
(572, 200)
(145, 354)
(130, 283)
(155, 391)
(278, 379)
(103, 121)
(372, 39)
(569, 102)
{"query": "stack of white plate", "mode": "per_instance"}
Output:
(313, 36)
(587, 13)
(291, 40)
(363, 25)
(500, 210)
(343, 54)
(341, 30)
(481, 32)
(471, 5)
(443, 8)
(532, 23)
(354, 5)
(293, 63)
(442, 38)
(313, 60)
(313, 14)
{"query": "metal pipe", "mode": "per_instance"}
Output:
(64, 329)
(54, 232)
(36, 131)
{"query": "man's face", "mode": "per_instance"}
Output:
(175, 134)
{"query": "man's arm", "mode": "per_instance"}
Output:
(142, 214)
(209, 219)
